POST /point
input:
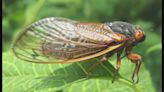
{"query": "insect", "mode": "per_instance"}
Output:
(61, 40)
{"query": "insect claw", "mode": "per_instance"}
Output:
(137, 80)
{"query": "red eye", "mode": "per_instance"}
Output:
(139, 35)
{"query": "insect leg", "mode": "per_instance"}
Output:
(97, 63)
(103, 59)
(118, 64)
(135, 58)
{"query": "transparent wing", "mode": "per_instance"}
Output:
(60, 40)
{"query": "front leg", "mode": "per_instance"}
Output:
(135, 58)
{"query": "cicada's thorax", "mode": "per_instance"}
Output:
(126, 29)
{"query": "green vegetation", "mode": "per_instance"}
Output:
(20, 76)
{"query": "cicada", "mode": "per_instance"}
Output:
(61, 40)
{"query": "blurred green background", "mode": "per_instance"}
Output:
(17, 14)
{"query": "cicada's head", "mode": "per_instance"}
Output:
(129, 30)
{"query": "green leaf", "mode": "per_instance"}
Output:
(20, 76)
(154, 48)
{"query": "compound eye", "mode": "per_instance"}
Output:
(139, 35)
